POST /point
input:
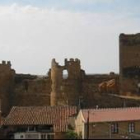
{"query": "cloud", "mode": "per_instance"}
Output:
(32, 36)
(92, 1)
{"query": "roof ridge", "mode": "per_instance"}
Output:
(116, 108)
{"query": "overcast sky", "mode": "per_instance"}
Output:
(32, 32)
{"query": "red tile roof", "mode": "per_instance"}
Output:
(112, 114)
(58, 116)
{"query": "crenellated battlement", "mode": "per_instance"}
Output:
(72, 61)
(129, 39)
(6, 63)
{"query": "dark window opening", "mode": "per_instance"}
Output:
(45, 128)
(114, 128)
(21, 136)
(43, 136)
(31, 128)
(50, 136)
(131, 127)
(131, 72)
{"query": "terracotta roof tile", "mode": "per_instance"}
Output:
(58, 116)
(112, 114)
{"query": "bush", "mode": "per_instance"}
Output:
(71, 135)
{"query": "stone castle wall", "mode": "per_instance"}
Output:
(6, 85)
(66, 88)
(32, 92)
(75, 88)
(52, 89)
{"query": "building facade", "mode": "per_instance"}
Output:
(115, 123)
(37, 122)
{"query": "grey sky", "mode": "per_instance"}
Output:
(32, 34)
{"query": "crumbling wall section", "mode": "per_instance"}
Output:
(31, 91)
(37, 93)
(90, 88)
(56, 78)
(66, 89)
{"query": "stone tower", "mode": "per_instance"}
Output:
(6, 85)
(56, 78)
(66, 89)
(129, 63)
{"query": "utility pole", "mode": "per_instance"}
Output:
(88, 125)
(110, 130)
(79, 103)
(124, 103)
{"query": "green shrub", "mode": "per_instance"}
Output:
(71, 135)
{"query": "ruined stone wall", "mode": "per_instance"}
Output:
(129, 63)
(58, 89)
(6, 86)
(90, 90)
(22, 89)
(66, 89)
(56, 78)
(32, 92)
(76, 88)
(72, 85)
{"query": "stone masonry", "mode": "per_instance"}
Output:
(66, 90)
(129, 63)
(56, 88)
(74, 87)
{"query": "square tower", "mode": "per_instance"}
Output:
(129, 55)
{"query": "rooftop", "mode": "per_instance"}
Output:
(112, 114)
(57, 116)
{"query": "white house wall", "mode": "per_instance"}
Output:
(79, 124)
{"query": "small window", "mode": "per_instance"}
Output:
(21, 136)
(43, 136)
(31, 128)
(50, 136)
(131, 127)
(114, 128)
(93, 128)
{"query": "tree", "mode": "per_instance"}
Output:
(71, 135)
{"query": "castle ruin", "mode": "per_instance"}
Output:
(66, 87)
(74, 87)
